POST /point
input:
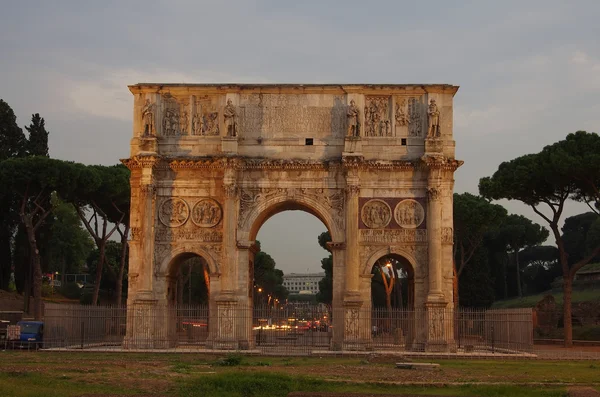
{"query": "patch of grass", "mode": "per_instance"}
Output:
(533, 371)
(231, 360)
(278, 385)
(531, 300)
(181, 368)
(34, 385)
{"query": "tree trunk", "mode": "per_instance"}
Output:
(519, 290)
(567, 320)
(35, 269)
(122, 266)
(27, 287)
(6, 255)
(505, 275)
(37, 285)
(567, 286)
(101, 247)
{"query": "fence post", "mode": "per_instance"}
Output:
(82, 333)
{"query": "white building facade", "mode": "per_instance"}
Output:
(302, 283)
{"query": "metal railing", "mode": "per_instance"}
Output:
(288, 329)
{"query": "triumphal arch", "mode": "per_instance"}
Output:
(210, 163)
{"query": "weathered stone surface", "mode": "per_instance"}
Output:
(210, 163)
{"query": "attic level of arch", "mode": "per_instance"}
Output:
(315, 122)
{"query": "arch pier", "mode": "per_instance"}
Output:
(211, 163)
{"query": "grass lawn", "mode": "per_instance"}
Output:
(74, 374)
(531, 300)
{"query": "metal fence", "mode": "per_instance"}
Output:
(289, 329)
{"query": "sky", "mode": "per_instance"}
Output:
(528, 71)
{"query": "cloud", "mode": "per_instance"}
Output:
(106, 94)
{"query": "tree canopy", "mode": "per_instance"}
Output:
(545, 181)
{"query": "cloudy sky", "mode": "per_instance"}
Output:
(529, 71)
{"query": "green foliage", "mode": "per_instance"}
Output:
(12, 139)
(268, 277)
(568, 169)
(230, 360)
(540, 268)
(47, 290)
(199, 289)
(325, 294)
(71, 291)
(474, 216)
(37, 144)
(87, 297)
(12, 144)
(69, 245)
(476, 285)
(581, 234)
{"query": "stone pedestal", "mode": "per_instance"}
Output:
(352, 146)
(227, 320)
(149, 326)
(440, 322)
(148, 145)
(357, 329)
(229, 144)
(434, 146)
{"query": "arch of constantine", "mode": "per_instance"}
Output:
(210, 163)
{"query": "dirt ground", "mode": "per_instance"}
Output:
(155, 373)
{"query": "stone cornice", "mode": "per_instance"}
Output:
(441, 163)
(138, 162)
(339, 89)
(242, 164)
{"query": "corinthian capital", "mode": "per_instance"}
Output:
(352, 190)
(149, 189)
(230, 190)
(434, 193)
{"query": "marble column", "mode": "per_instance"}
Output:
(434, 240)
(228, 270)
(352, 255)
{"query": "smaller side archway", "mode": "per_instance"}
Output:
(393, 282)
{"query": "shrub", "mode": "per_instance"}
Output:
(231, 360)
(71, 291)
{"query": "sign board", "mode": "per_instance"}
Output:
(13, 332)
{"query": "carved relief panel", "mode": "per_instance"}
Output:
(415, 111)
(377, 116)
(197, 219)
(205, 119)
(392, 213)
(331, 199)
(175, 117)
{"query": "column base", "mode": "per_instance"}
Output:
(352, 146)
(357, 324)
(229, 144)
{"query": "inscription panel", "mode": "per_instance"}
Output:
(280, 115)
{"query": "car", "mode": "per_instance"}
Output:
(32, 334)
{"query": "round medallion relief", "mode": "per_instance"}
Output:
(376, 214)
(174, 212)
(409, 214)
(206, 213)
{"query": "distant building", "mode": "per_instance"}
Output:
(306, 283)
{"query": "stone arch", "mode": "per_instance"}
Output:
(274, 205)
(383, 251)
(408, 262)
(178, 252)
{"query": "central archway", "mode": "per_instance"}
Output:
(297, 321)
